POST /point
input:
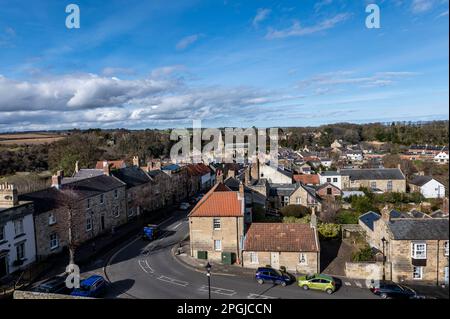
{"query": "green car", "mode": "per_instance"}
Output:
(317, 282)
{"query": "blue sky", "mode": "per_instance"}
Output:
(139, 64)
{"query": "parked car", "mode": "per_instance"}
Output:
(55, 285)
(150, 232)
(389, 289)
(317, 282)
(93, 286)
(266, 274)
(184, 206)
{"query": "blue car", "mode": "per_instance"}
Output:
(93, 286)
(266, 274)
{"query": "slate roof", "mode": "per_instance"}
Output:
(419, 229)
(47, 199)
(280, 237)
(220, 201)
(282, 189)
(132, 176)
(369, 218)
(171, 167)
(373, 174)
(330, 173)
(420, 180)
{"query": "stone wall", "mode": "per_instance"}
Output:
(366, 270)
(290, 260)
(19, 294)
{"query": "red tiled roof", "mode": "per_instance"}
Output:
(280, 237)
(198, 169)
(112, 164)
(307, 178)
(220, 201)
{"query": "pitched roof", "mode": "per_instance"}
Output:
(281, 237)
(48, 199)
(325, 185)
(330, 173)
(419, 229)
(199, 169)
(113, 164)
(373, 173)
(132, 176)
(220, 201)
(420, 180)
(307, 178)
(369, 218)
(282, 189)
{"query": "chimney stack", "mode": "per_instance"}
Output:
(106, 168)
(313, 221)
(231, 173)
(136, 161)
(219, 176)
(247, 179)
(385, 213)
(8, 196)
(241, 189)
(57, 179)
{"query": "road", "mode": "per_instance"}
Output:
(140, 269)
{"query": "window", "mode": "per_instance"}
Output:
(302, 259)
(2, 233)
(298, 200)
(216, 223)
(417, 272)
(51, 219)
(88, 203)
(329, 191)
(102, 198)
(373, 184)
(89, 224)
(389, 186)
(286, 199)
(254, 258)
(335, 180)
(20, 251)
(419, 250)
(18, 227)
(116, 212)
(217, 245)
(328, 180)
(116, 193)
(54, 241)
(445, 245)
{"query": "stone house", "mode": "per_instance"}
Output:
(200, 178)
(217, 224)
(415, 245)
(328, 189)
(17, 233)
(178, 182)
(281, 195)
(273, 174)
(332, 177)
(98, 205)
(293, 246)
(382, 179)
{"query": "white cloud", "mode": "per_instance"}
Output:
(114, 71)
(297, 30)
(261, 15)
(187, 41)
(420, 6)
(321, 4)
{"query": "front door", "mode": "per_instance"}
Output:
(275, 260)
(102, 222)
(3, 266)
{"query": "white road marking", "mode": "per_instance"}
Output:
(358, 284)
(219, 291)
(347, 283)
(258, 296)
(176, 226)
(173, 281)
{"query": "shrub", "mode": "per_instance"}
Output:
(295, 211)
(328, 230)
(347, 217)
(304, 220)
(364, 254)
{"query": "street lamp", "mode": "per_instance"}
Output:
(208, 274)
(383, 240)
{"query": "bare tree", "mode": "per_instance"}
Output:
(330, 207)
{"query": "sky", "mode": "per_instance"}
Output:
(162, 64)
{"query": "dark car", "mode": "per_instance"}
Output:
(391, 290)
(55, 285)
(266, 274)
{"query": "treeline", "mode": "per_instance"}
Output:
(23, 159)
(396, 133)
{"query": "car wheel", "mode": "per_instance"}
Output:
(329, 291)
(305, 287)
(260, 281)
(283, 283)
